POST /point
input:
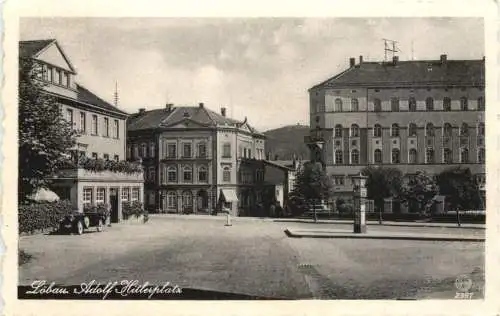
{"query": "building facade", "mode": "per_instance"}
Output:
(192, 157)
(101, 128)
(412, 115)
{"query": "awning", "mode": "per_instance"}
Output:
(228, 195)
(43, 194)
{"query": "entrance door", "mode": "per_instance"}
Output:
(113, 201)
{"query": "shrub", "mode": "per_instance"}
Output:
(42, 215)
(135, 208)
(345, 208)
(101, 208)
(98, 165)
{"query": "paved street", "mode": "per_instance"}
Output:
(255, 257)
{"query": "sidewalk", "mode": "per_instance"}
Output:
(321, 221)
(373, 234)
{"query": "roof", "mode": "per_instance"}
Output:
(31, 48)
(279, 164)
(424, 72)
(85, 95)
(158, 118)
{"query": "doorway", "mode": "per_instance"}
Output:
(113, 201)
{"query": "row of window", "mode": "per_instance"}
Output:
(142, 150)
(480, 179)
(412, 104)
(55, 76)
(447, 156)
(81, 125)
(447, 129)
(248, 177)
(128, 194)
(170, 174)
(105, 156)
(170, 199)
(187, 150)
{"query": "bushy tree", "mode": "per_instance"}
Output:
(419, 192)
(458, 186)
(382, 183)
(44, 136)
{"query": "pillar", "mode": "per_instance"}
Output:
(195, 201)
(120, 189)
(360, 210)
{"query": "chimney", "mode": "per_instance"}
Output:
(142, 110)
(395, 60)
(360, 59)
(443, 59)
(223, 111)
(201, 105)
(168, 107)
(352, 62)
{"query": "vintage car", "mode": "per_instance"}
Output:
(77, 222)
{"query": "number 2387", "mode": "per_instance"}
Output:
(463, 295)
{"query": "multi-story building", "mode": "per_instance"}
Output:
(101, 128)
(424, 115)
(192, 157)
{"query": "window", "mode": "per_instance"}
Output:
(50, 73)
(412, 129)
(171, 200)
(125, 194)
(429, 155)
(412, 156)
(226, 150)
(377, 131)
(100, 196)
(172, 174)
(152, 174)
(412, 104)
(106, 127)
(129, 152)
(152, 149)
(395, 130)
(135, 194)
(202, 174)
(69, 116)
(464, 129)
(447, 104)
(338, 105)
(83, 123)
(187, 174)
(116, 129)
(135, 149)
(447, 156)
(68, 80)
(338, 130)
(64, 78)
(429, 130)
(354, 130)
(394, 104)
(355, 157)
(186, 150)
(94, 125)
(106, 156)
(377, 156)
(464, 104)
(447, 130)
(480, 104)
(377, 105)
(226, 174)
(116, 158)
(144, 150)
(480, 129)
(338, 156)
(338, 180)
(187, 199)
(94, 155)
(395, 156)
(481, 156)
(464, 155)
(87, 196)
(429, 104)
(172, 150)
(354, 105)
(57, 76)
(202, 150)
(249, 153)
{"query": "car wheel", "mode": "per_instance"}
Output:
(79, 227)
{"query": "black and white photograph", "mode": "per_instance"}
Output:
(251, 158)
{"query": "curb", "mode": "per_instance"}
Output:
(348, 235)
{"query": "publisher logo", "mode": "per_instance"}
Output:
(463, 284)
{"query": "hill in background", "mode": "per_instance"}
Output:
(287, 141)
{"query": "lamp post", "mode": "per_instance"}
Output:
(359, 211)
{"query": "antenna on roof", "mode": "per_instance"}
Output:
(389, 46)
(116, 94)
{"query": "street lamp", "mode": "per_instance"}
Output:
(359, 211)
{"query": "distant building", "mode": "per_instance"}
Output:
(101, 126)
(413, 115)
(193, 157)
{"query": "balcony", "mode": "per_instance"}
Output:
(100, 170)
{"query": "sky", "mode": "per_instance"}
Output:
(259, 68)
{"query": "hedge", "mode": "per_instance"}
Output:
(100, 208)
(134, 208)
(42, 215)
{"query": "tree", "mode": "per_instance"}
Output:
(44, 136)
(312, 186)
(382, 183)
(419, 192)
(459, 188)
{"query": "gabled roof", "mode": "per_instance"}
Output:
(402, 73)
(85, 95)
(32, 49)
(159, 118)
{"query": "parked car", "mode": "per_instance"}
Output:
(77, 222)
